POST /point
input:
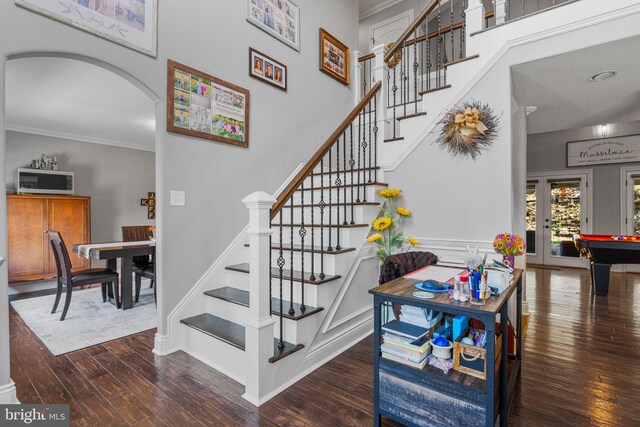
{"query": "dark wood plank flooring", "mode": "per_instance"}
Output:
(581, 368)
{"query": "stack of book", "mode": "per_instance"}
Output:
(406, 343)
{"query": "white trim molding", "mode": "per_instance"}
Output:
(80, 138)
(8, 394)
(386, 4)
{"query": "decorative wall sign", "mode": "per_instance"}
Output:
(334, 57)
(204, 106)
(132, 23)
(468, 128)
(623, 149)
(280, 18)
(150, 203)
(267, 69)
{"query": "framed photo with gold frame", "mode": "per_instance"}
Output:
(334, 57)
(204, 106)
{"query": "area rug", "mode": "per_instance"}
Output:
(89, 321)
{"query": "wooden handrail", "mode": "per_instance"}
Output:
(322, 151)
(366, 57)
(410, 30)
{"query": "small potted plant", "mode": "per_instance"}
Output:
(509, 246)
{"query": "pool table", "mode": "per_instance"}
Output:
(604, 250)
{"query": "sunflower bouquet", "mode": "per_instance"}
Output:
(509, 245)
(387, 236)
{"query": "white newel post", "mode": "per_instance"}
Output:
(474, 16)
(380, 71)
(501, 12)
(357, 77)
(259, 329)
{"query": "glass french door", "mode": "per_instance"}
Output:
(632, 215)
(557, 209)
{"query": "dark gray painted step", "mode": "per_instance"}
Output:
(219, 328)
(241, 297)
(275, 272)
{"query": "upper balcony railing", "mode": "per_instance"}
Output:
(501, 11)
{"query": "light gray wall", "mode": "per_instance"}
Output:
(547, 152)
(390, 12)
(116, 178)
(286, 128)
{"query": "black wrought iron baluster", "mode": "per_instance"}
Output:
(439, 52)
(338, 183)
(344, 174)
(405, 63)
(364, 159)
(394, 89)
(360, 133)
(453, 38)
(388, 87)
(364, 79)
(463, 20)
(422, 62)
(522, 7)
(352, 163)
(312, 277)
(415, 71)
(370, 145)
(330, 247)
(375, 139)
(443, 44)
(291, 310)
(428, 55)
(402, 59)
(302, 233)
(270, 264)
(322, 206)
(281, 263)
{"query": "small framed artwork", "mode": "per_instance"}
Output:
(132, 23)
(280, 18)
(206, 107)
(334, 57)
(267, 69)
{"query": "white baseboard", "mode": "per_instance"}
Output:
(8, 394)
(164, 345)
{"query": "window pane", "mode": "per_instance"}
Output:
(636, 206)
(565, 217)
(531, 218)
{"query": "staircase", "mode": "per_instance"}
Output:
(289, 293)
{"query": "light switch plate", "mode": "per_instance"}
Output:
(178, 198)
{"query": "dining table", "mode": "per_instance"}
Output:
(111, 252)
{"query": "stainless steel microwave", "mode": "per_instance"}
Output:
(38, 181)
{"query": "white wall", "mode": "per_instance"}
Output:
(115, 178)
(286, 128)
(547, 152)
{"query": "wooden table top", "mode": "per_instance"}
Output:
(402, 289)
(117, 251)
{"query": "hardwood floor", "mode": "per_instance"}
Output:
(581, 368)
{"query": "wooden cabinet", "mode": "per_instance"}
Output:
(30, 217)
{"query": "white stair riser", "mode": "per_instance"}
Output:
(238, 280)
(333, 264)
(332, 214)
(218, 354)
(238, 314)
(320, 239)
(368, 193)
(345, 179)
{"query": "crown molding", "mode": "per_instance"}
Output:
(77, 137)
(378, 8)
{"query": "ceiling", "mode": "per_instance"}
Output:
(559, 87)
(76, 100)
(370, 7)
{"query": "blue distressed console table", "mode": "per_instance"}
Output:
(428, 397)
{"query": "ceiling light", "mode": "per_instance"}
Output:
(600, 77)
(603, 130)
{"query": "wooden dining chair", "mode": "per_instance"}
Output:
(138, 233)
(69, 279)
(148, 272)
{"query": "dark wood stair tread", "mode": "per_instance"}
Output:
(217, 327)
(279, 354)
(410, 116)
(424, 92)
(458, 61)
(286, 274)
(342, 171)
(309, 249)
(241, 297)
(333, 187)
(397, 138)
(323, 225)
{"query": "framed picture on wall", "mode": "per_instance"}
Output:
(280, 18)
(204, 106)
(334, 57)
(267, 69)
(132, 23)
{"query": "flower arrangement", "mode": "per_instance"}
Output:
(509, 246)
(468, 128)
(397, 57)
(388, 238)
(152, 230)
